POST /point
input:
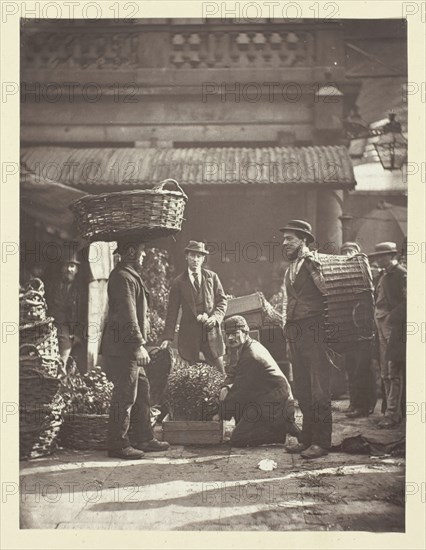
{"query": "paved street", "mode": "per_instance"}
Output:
(219, 488)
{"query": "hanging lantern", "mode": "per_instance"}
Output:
(392, 145)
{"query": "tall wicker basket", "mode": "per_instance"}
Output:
(151, 213)
(349, 300)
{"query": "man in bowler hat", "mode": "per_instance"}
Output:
(199, 294)
(304, 316)
(390, 317)
(125, 355)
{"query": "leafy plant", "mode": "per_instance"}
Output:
(157, 273)
(193, 391)
(87, 394)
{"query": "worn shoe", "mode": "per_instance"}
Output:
(314, 451)
(296, 449)
(386, 422)
(129, 453)
(153, 446)
(357, 414)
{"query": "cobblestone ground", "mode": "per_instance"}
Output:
(219, 488)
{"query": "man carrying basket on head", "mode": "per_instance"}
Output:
(199, 293)
(125, 356)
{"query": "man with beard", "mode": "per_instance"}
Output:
(125, 356)
(304, 317)
(64, 304)
(256, 392)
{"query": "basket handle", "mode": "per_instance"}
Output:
(30, 347)
(159, 186)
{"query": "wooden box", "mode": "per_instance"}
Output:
(192, 432)
(250, 307)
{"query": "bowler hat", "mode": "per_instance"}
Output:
(236, 322)
(301, 227)
(196, 246)
(348, 245)
(384, 248)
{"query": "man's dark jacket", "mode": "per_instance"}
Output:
(215, 304)
(127, 326)
(255, 377)
(394, 282)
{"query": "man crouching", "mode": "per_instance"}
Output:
(256, 393)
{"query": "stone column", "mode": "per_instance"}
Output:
(329, 228)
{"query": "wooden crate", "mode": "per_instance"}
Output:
(192, 432)
(250, 307)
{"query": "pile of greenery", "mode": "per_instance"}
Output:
(87, 394)
(157, 275)
(193, 392)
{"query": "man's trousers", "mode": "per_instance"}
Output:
(130, 403)
(311, 374)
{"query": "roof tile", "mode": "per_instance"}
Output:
(328, 166)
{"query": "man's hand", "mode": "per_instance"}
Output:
(223, 393)
(210, 322)
(142, 357)
(202, 317)
(165, 344)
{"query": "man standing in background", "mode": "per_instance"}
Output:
(390, 316)
(361, 382)
(64, 304)
(199, 293)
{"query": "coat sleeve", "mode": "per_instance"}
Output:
(398, 313)
(172, 311)
(126, 297)
(221, 301)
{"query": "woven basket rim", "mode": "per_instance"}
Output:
(33, 324)
(124, 194)
(83, 415)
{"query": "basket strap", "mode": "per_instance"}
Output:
(30, 347)
(160, 186)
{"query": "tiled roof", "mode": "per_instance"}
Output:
(325, 166)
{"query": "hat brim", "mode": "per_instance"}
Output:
(311, 237)
(204, 252)
(381, 253)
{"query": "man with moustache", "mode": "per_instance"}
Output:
(199, 294)
(256, 392)
(304, 316)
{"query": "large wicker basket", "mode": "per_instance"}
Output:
(86, 432)
(151, 213)
(349, 300)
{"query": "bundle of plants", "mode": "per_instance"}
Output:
(87, 403)
(89, 393)
(157, 274)
(193, 392)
